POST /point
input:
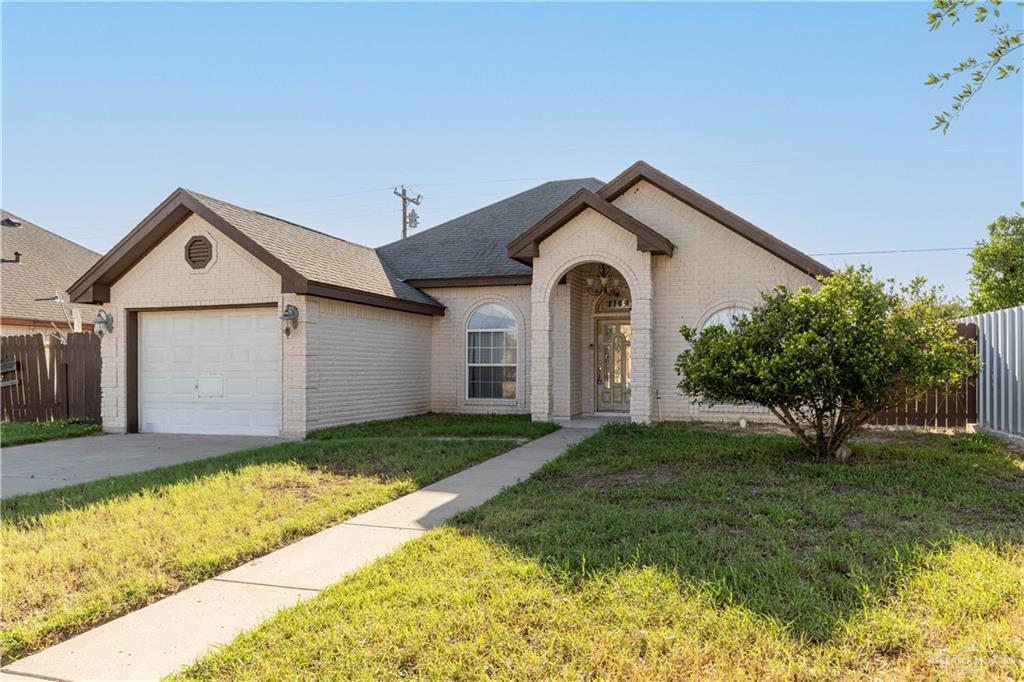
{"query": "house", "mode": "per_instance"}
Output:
(562, 300)
(38, 266)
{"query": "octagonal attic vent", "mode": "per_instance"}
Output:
(198, 252)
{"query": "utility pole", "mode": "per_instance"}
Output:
(410, 220)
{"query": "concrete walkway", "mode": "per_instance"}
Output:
(163, 637)
(58, 463)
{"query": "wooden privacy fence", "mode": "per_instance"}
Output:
(953, 407)
(59, 382)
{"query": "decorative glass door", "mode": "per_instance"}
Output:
(613, 365)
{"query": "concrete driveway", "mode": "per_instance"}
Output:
(57, 463)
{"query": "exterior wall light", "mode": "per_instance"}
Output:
(103, 324)
(291, 319)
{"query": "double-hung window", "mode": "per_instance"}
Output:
(491, 354)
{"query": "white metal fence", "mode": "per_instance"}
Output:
(1001, 376)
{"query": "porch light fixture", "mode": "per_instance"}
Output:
(604, 283)
(103, 324)
(291, 319)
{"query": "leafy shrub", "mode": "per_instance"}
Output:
(827, 361)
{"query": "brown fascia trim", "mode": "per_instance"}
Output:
(94, 285)
(642, 170)
(366, 298)
(479, 281)
(526, 246)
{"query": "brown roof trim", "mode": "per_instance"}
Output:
(480, 281)
(366, 298)
(697, 201)
(94, 285)
(526, 246)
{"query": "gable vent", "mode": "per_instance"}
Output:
(198, 252)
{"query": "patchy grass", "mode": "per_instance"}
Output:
(77, 556)
(670, 553)
(445, 425)
(20, 433)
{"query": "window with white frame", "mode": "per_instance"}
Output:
(491, 356)
(726, 316)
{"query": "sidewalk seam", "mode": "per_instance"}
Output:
(247, 582)
(375, 525)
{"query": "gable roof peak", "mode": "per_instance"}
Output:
(527, 245)
(308, 261)
(641, 170)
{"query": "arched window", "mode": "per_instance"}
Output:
(491, 354)
(725, 316)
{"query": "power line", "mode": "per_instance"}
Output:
(869, 253)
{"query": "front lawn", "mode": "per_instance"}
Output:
(20, 433)
(445, 425)
(671, 553)
(78, 556)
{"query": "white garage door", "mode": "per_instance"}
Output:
(210, 371)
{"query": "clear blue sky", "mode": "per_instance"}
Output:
(810, 120)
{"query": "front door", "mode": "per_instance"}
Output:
(613, 365)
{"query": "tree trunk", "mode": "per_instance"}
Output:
(843, 452)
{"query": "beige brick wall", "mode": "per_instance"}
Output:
(448, 358)
(588, 238)
(163, 279)
(365, 363)
(712, 268)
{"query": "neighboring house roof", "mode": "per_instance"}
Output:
(49, 264)
(527, 245)
(473, 245)
(308, 261)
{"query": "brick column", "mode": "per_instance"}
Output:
(296, 382)
(540, 355)
(642, 352)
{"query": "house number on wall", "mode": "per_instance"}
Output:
(618, 304)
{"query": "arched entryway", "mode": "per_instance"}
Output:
(590, 355)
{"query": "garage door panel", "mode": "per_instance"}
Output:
(239, 387)
(266, 419)
(179, 326)
(180, 354)
(209, 372)
(236, 355)
(263, 357)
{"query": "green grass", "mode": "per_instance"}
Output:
(445, 425)
(77, 556)
(671, 553)
(20, 433)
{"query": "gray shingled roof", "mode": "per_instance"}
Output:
(49, 263)
(474, 244)
(317, 256)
